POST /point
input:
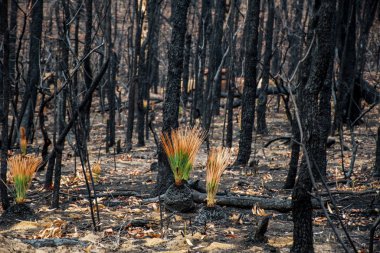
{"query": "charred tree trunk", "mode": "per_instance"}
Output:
(152, 64)
(200, 59)
(232, 24)
(62, 72)
(87, 67)
(137, 76)
(294, 157)
(249, 92)
(4, 99)
(295, 35)
(12, 40)
(33, 79)
(185, 74)
(376, 172)
(172, 97)
(213, 85)
(109, 77)
(262, 96)
(320, 58)
(346, 79)
(217, 46)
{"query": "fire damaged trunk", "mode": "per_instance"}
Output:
(173, 92)
(376, 173)
(250, 38)
(320, 59)
(33, 78)
(4, 99)
(262, 96)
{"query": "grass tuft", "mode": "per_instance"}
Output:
(217, 162)
(22, 169)
(181, 147)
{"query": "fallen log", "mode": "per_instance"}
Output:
(281, 205)
(55, 242)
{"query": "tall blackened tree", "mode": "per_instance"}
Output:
(87, 66)
(233, 22)
(4, 99)
(63, 24)
(136, 74)
(213, 88)
(172, 97)
(33, 78)
(110, 75)
(204, 29)
(250, 85)
(295, 35)
(262, 96)
(320, 60)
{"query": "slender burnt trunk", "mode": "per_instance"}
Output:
(33, 78)
(262, 96)
(172, 97)
(295, 35)
(346, 79)
(87, 67)
(204, 29)
(185, 74)
(232, 23)
(109, 77)
(12, 40)
(213, 87)
(4, 99)
(294, 157)
(376, 172)
(137, 76)
(250, 38)
(320, 59)
(62, 71)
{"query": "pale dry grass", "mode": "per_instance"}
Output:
(217, 162)
(22, 169)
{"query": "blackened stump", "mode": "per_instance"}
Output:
(179, 198)
(15, 213)
(210, 214)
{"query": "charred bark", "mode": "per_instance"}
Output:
(249, 93)
(33, 78)
(172, 97)
(4, 100)
(261, 125)
(320, 59)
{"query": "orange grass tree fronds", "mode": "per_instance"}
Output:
(22, 169)
(23, 141)
(217, 162)
(181, 148)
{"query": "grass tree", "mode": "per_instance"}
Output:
(22, 169)
(181, 147)
(217, 162)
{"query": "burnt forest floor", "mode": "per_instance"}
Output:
(129, 225)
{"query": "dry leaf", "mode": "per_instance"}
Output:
(189, 242)
(329, 208)
(258, 211)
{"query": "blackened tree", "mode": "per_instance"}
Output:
(250, 85)
(4, 99)
(33, 78)
(173, 92)
(261, 126)
(320, 60)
